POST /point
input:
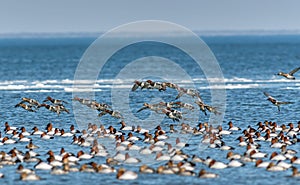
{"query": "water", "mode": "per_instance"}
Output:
(41, 67)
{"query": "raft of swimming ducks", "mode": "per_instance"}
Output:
(172, 159)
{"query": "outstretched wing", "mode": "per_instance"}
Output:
(270, 98)
(134, 87)
(143, 108)
(282, 103)
(179, 95)
(267, 95)
(102, 113)
(294, 71)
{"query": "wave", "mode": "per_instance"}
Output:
(69, 85)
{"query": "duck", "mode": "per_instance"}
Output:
(284, 164)
(223, 132)
(164, 170)
(277, 157)
(29, 177)
(145, 151)
(235, 163)
(87, 168)
(43, 166)
(105, 169)
(231, 155)
(180, 144)
(131, 160)
(204, 174)
(55, 101)
(146, 169)
(232, 127)
(255, 154)
(295, 172)
(289, 75)
(83, 156)
(44, 135)
(56, 157)
(162, 157)
(185, 172)
(141, 84)
(36, 131)
(261, 164)
(31, 101)
(132, 146)
(58, 171)
(273, 167)
(114, 114)
(6, 140)
(197, 159)
(30, 159)
(217, 165)
(119, 157)
(122, 174)
(26, 107)
(152, 107)
(53, 162)
(21, 169)
(65, 134)
(194, 93)
(276, 102)
(31, 146)
(23, 139)
(295, 160)
(24, 132)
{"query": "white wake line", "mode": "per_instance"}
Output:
(130, 81)
(98, 88)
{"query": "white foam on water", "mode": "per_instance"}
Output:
(68, 85)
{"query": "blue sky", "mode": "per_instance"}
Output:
(98, 16)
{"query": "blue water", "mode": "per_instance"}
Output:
(41, 67)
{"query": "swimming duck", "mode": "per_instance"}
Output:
(205, 174)
(261, 164)
(217, 165)
(131, 160)
(29, 177)
(295, 172)
(43, 166)
(289, 75)
(273, 167)
(146, 169)
(122, 174)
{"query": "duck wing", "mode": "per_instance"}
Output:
(294, 71)
(143, 108)
(134, 87)
(282, 102)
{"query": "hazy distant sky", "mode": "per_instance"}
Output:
(99, 16)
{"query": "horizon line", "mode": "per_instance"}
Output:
(163, 33)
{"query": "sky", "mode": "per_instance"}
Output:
(99, 16)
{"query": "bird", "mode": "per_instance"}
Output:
(31, 101)
(276, 102)
(55, 101)
(289, 75)
(26, 107)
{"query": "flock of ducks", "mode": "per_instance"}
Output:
(133, 143)
(33, 105)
